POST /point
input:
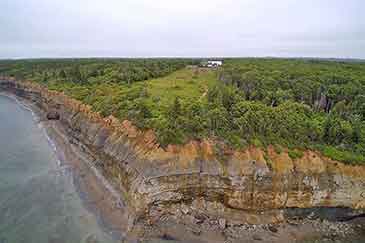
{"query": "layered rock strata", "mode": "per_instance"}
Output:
(239, 186)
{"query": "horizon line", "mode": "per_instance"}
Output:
(181, 57)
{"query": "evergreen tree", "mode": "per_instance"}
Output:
(62, 74)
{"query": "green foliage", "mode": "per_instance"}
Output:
(278, 149)
(286, 103)
(83, 71)
(343, 155)
(295, 154)
(257, 142)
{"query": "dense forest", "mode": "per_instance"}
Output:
(85, 71)
(293, 103)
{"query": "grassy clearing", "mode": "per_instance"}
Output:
(187, 83)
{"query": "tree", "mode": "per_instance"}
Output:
(248, 82)
(341, 109)
(194, 120)
(218, 122)
(278, 97)
(357, 129)
(75, 74)
(359, 106)
(45, 77)
(62, 74)
(175, 111)
(336, 130)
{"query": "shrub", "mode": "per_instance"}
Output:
(295, 154)
(343, 155)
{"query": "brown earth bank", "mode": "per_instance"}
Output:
(197, 192)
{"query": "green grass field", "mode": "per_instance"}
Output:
(187, 84)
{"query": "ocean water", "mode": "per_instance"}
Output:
(39, 202)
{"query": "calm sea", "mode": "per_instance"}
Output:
(38, 200)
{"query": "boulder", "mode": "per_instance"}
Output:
(222, 223)
(53, 115)
(272, 229)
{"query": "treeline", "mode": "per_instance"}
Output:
(86, 71)
(229, 116)
(295, 103)
(319, 84)
(287, 103)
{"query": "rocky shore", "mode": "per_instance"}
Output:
(201, 191)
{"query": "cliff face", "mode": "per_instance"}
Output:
(251, 185)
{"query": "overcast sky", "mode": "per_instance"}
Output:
(145, 28)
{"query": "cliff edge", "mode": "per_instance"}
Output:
(240, 186)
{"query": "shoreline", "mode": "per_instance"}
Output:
(96, 193)
(36, 118)
(99, 196)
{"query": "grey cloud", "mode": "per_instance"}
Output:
(68, 28)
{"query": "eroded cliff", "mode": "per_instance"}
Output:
(247, 186)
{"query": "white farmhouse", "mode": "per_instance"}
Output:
(214, 63)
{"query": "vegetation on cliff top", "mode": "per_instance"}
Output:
(293, 103)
